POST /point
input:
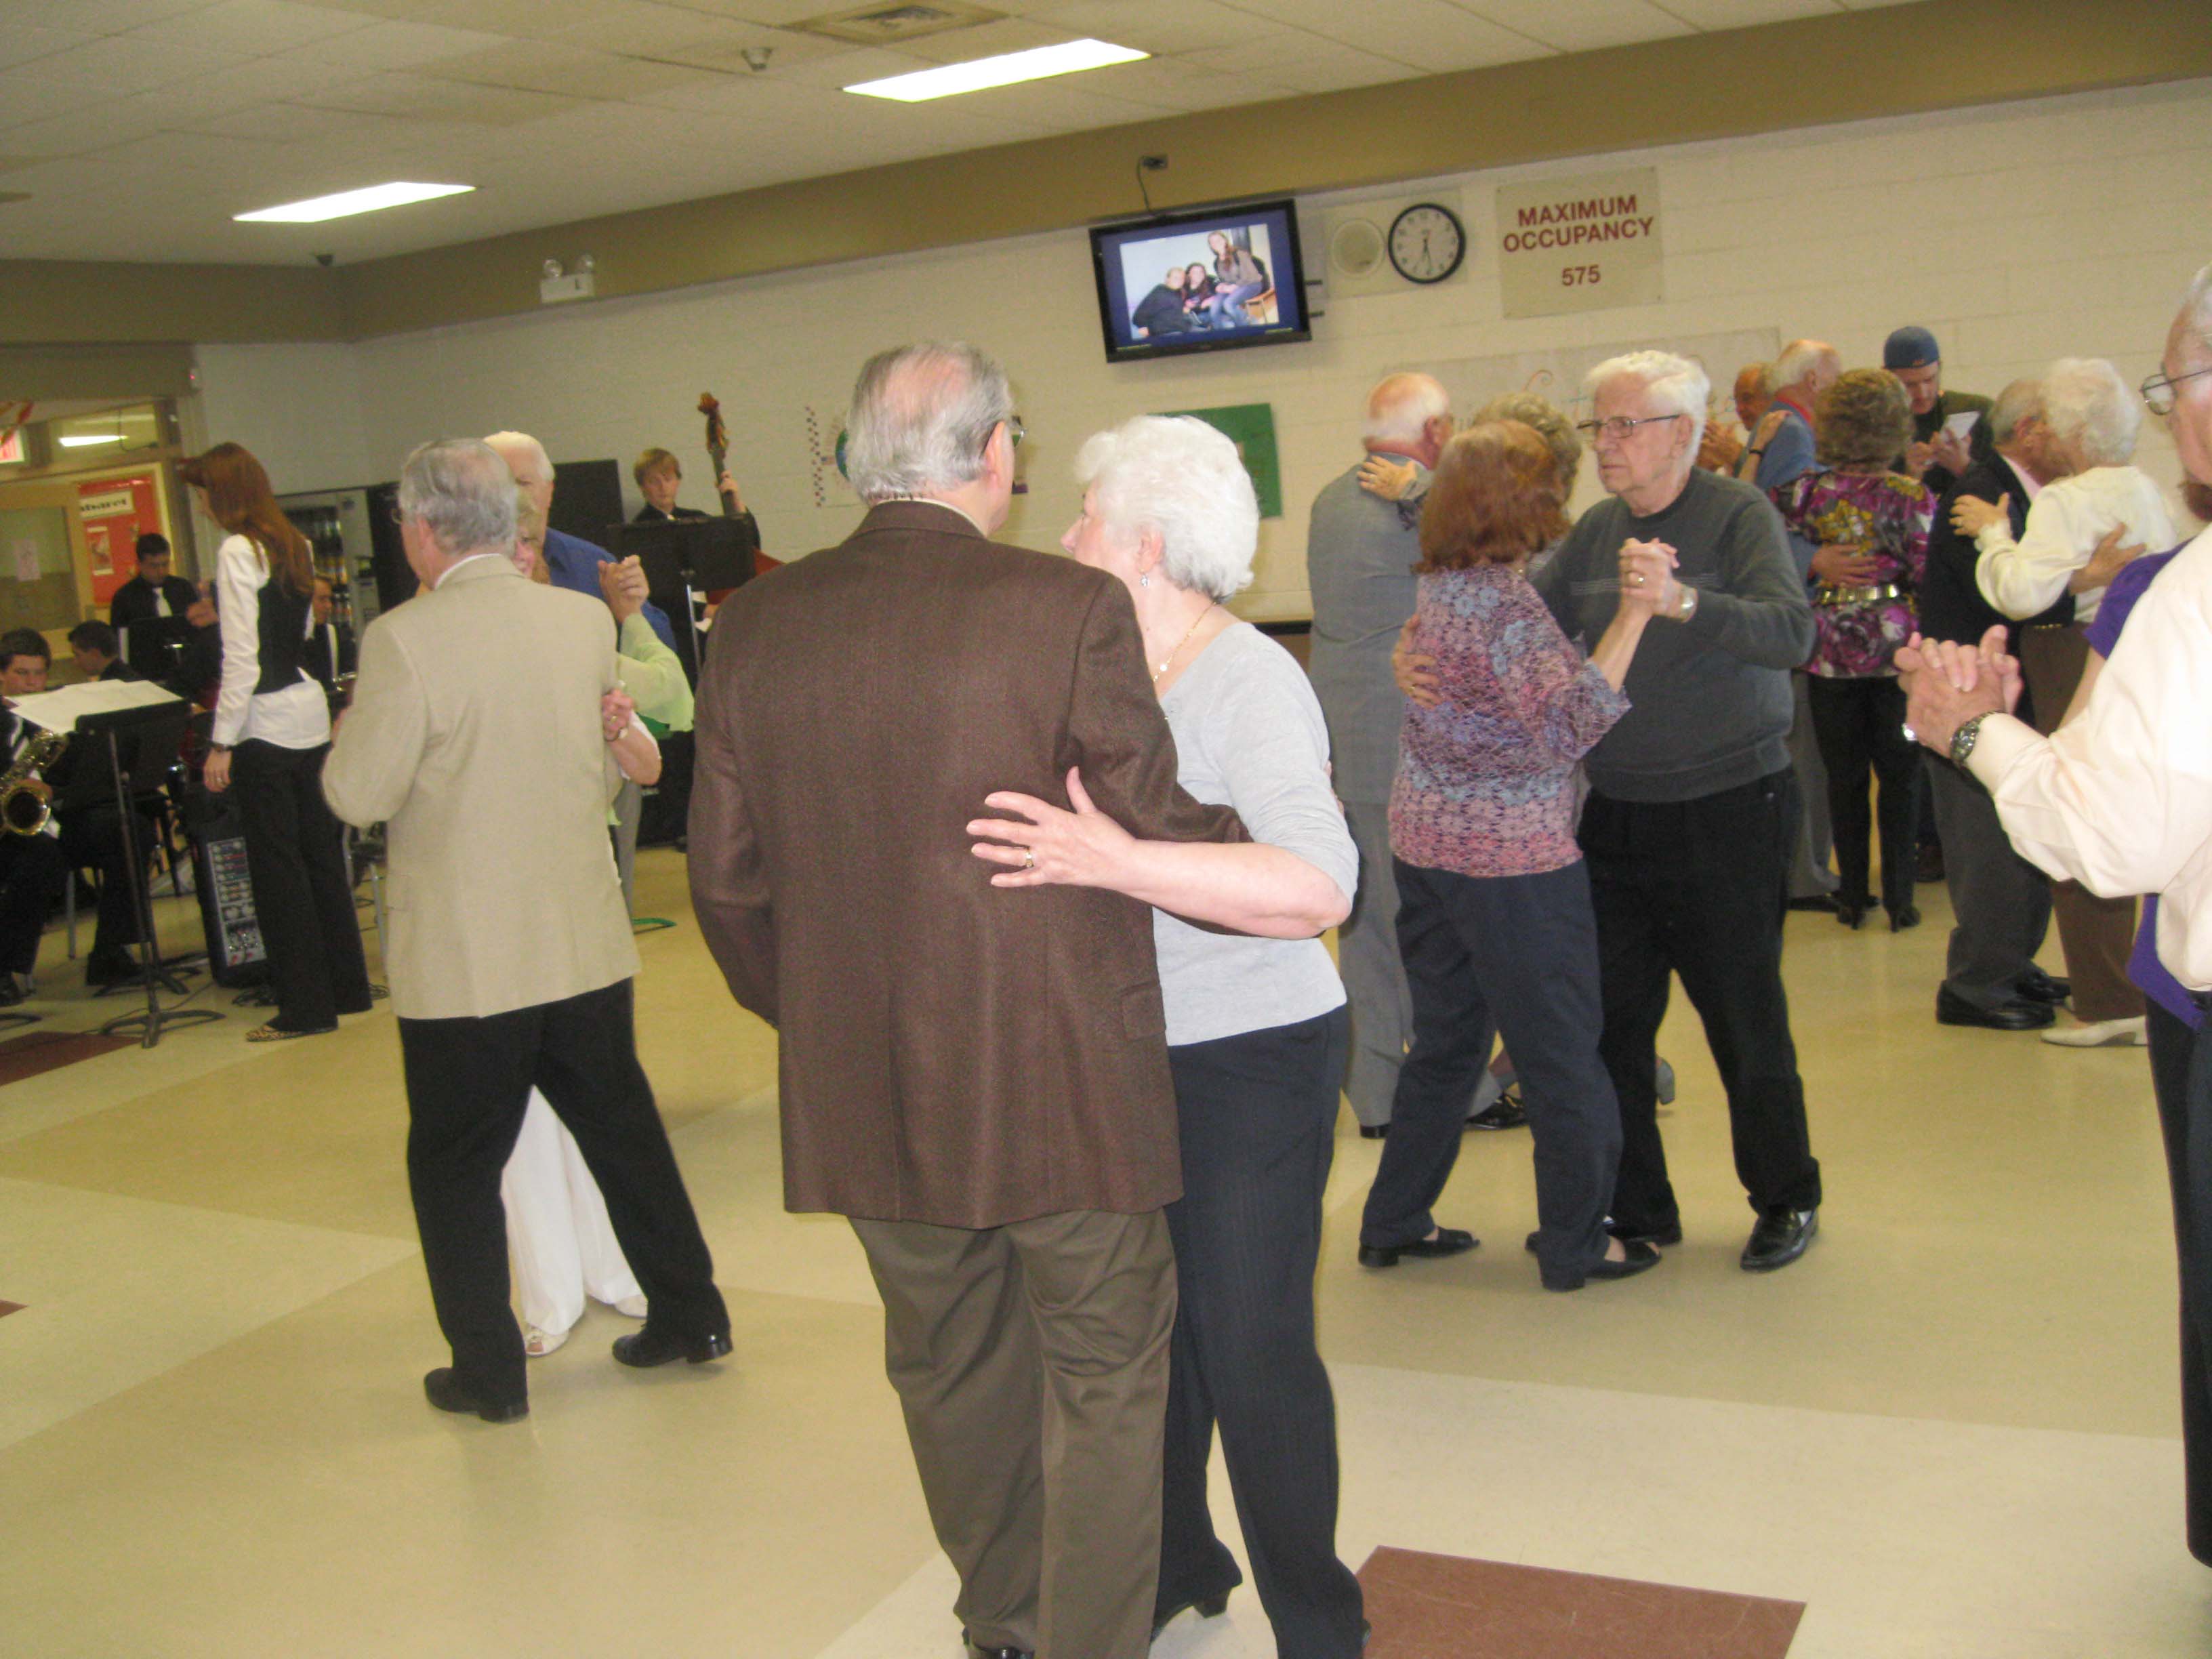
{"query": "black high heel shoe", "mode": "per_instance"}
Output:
(1851, 912)
(1205, 1607)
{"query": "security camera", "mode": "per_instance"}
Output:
(327, 260)
(757, 57)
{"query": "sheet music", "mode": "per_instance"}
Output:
(60, 710)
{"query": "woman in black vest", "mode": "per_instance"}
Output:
(272, 729)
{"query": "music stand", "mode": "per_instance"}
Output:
(684, 557)
(153, 646)
(156, 732)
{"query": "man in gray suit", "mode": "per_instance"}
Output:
(1360, 551)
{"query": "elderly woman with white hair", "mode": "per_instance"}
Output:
(2082, 529)
(1256, 1026)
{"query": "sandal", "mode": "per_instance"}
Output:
(538, 1343)
(273, 1032)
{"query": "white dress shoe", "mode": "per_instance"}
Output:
(2102, 1034)
(538, 1344)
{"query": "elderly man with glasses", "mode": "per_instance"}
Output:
(1692, 808)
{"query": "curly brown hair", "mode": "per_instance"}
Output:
(1548, 421)
(1495, 499)
(1863, 422)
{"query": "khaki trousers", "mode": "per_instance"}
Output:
(2097, 935)
(1031, 1361)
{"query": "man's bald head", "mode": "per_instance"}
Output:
(1807, 367)
(1751, 394)
(1409, 415)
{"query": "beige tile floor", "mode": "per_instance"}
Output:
(1950, 1431)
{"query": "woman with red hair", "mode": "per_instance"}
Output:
(1494, 917)
(272, 730)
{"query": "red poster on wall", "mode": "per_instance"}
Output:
(115, 512)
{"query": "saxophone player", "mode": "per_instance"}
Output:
(33, 865)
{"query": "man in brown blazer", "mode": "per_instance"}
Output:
(474, 736)
(977, 1077)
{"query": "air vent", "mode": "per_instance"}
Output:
(887, 26)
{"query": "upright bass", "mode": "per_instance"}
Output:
(717, 454)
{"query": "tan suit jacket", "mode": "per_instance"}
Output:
(474, 736)
(952, 1052)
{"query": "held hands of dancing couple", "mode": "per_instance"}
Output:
(1948, 685)
(1647, 589)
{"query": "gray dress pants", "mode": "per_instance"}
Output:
(1374, 977)
(2001, 901)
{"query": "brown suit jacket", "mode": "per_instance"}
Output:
(474, 736)
(952, 1052)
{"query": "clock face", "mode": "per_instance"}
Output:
(1427, 243)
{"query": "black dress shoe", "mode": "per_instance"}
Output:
(1448, 1241)
(449, 1394)
(651, 1348)
(1637, 1258)
(2036, 986)
(1814, 902)
(1851, 912)
(103, 973)
(1506, 1112)
(1904, 916)
(1373, 1131)
(980, 1652)
(1779, 1238)
(1669, 1234)
(2020, 1015)
(1206, 1607)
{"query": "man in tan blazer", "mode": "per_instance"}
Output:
(474, 736)
(981, 1084)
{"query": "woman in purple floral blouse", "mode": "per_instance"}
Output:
(1494, 918)
(1870, 526)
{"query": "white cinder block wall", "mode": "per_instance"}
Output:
(2018, 233)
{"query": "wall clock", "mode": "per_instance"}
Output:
(1427, 243)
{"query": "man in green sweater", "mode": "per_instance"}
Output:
(1693, 807)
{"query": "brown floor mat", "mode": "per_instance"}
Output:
(34, 1052)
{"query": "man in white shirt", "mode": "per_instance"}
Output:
(2120, 798)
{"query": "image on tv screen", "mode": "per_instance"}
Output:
(1198, 283)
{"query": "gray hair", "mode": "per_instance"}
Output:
(1183, 479)
(1799, 359)
(2196, 305)
(1401, 407)
(1549, 422)
(1677, 384)
(460, 491)
(2090, 409)
(2020, 401)
(503, 441)
(920, 419)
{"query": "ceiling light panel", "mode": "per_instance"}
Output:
(1006, 70)
(347, 202)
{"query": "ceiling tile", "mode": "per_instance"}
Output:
(1155, 25)
(988, 40)
(398, 45)
(1581, 25)
(1746, 14)
(551, 66)
(842, 69)
(121, 63)
(252, 28)
(1174, 84)
(420, 97)
(24, 43)
(97, 16)
(1303, 62)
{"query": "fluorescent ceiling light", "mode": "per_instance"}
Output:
(85, 440)
(348, 203)
(1004, 71)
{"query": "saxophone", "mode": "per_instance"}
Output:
(25, 803)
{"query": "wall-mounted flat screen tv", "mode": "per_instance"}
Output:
(1200, 281)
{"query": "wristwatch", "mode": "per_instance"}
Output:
(1962, 740)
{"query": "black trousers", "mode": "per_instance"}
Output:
(92, 839)
(295, 853)
(1518, 954)
(2003, 902)
(1860, 726)
(468, 1085)
(31, 871)
(2181, 1073)
(1697, 888)
(1258, 1114)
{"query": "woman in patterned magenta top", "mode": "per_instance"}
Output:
(1870, 526)
(1494, 917)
